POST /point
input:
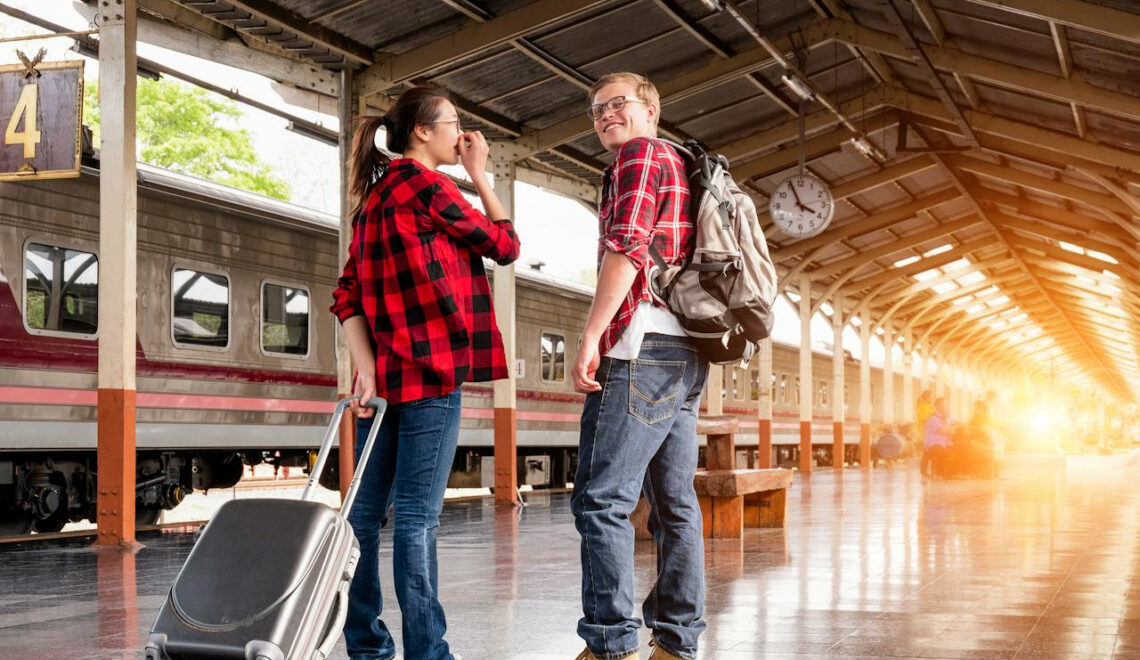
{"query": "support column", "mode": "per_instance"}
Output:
(714, 391)
(118, 224)
(837, 384)
(924, 373)
(865, 392)
(506, 417)
(345, 438)
(806, 389)
(764, 409)
(888, 376)
(908, 379)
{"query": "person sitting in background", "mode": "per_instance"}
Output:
(975, 446)
(936, 440)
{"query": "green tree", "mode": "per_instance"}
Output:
(189, 130)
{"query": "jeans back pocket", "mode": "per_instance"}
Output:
(655, 388)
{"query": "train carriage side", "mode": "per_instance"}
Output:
(234, 358)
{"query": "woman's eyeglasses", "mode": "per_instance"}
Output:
(615, 104)
(458, 126)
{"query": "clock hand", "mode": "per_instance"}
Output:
(799, 203)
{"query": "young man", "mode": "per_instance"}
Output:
(643, 380)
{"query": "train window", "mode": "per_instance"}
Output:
(284, 319)
(201, 309)
(61, 289)
(823, 392)
(553, 357)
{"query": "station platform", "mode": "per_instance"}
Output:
(871, 564)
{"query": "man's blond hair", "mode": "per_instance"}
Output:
(645, 90)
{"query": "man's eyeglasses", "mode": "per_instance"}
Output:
(458, 126)
(615, 104)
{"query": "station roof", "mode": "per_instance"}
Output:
(991, 213)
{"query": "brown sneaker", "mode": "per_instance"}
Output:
(661, 654)
(588, 655)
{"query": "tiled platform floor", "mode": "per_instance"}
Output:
(1037, 565)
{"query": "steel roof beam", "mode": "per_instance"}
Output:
(1038, 183)
(713, 74)
(867, 256)
(293, 22)
(1086, 16)
(919, 57)
(470, 41)
(1062, 145)
(1010, 76)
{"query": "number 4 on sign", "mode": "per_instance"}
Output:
(26, 109)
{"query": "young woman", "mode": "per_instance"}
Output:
(415, 307)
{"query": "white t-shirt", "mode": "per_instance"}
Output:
(646, 318)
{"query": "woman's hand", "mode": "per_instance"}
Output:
(363, 391)
(473, 151)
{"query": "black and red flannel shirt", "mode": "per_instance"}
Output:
(645, 196)
(415, 271)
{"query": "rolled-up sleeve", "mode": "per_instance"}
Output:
(346, 297)
(635, 179)
(453, 214)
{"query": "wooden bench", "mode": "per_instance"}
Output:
(731, 499)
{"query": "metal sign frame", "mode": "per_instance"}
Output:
(73, 172)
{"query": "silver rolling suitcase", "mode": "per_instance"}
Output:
(267, 579)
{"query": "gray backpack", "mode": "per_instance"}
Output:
(724, 291)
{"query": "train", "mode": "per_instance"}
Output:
(236, 357)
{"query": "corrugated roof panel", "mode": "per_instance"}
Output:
(497, 77)
(375, 24)
(1115, 131)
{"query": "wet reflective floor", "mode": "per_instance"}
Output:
(877, 564)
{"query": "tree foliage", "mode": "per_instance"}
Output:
(189, 130)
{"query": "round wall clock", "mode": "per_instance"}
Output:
(801, 206)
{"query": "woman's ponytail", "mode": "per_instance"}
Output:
(367, 162)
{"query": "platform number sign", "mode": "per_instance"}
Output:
(41, 109)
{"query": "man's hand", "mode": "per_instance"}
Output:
(586, 366)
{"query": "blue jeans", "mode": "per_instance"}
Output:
(639, 433)
(409, 467)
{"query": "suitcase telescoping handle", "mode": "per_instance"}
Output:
(326, 446)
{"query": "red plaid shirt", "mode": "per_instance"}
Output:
(645, 196)
(415, 271)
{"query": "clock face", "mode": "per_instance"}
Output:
(801, 205)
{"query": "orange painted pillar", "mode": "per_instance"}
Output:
(837, 445)
(764, 459)
(806, 384)
(838, 384)
(865, 404)
(764, 406)
(805, 446)
(506, 456)
(115, 501)
(118, 294)
(506, 417)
